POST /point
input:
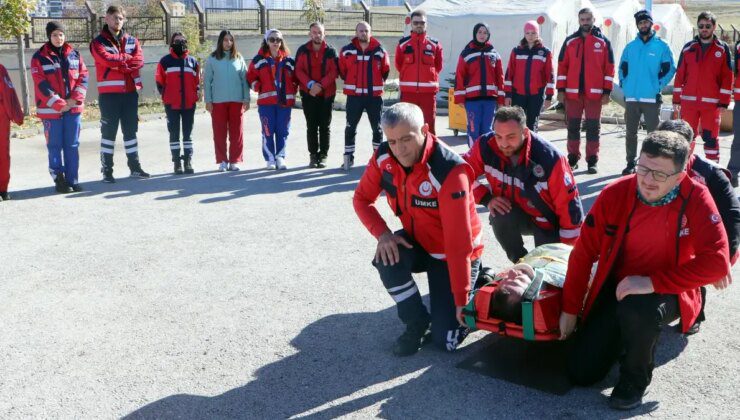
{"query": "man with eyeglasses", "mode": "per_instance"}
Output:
(657, 237)
(419, 62)
(118, 61)
(703, 83)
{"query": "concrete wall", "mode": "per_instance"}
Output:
(247, 45)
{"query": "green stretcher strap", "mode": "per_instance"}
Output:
(528, 298)
(470, 313)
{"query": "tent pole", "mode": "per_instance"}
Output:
(649, 5)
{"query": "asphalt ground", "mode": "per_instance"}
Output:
(250, 294)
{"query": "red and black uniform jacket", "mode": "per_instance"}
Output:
(529, 71)
(479, 74)
(433, 202)
(273, 79)
(717, 181)
(737, 73)
(586, 66)
(117, 62)
(541, 184)
(419, 62)
(320, 66)
(178, 80)
(364, 72)
(10, 108)
(704, 78)
(699, 256)
(59, 76)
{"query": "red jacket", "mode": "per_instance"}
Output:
(701, 254)
(10, 108)
(433, 202)
(117, 62)
(178, 80)
(274, 80)
(353, 68)
(586, 66)
(320, 66)
(704, 78)
(542, 184)
(58, 80)
(479, 74)
(419, 61)
(737, 73)
(529, 71)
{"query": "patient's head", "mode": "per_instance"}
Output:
(506, 300)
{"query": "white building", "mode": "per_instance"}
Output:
(55, 8)
(41, 10)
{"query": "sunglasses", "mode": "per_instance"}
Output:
(275, 40)
(707, 26)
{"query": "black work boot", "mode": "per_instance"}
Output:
(629, 169)
(592, 165)
(187, 161)
(60, 184)
(626, 396)
(415, 336)
(136, 171)
(573, 161)
(322, 162)
(178, 166)
(108, 175)
(314, 161)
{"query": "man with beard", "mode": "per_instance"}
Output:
(703, 83)
(532, 189)
(645, 69)
(585, 80)
(363, 65)
(419, 61)
(317, 68)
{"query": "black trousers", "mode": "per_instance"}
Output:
(627, 331)
(446, 331)
(532, 106)
(356, 105)
(510, 227)
(174, 116)
(115, 109)
(317, 110)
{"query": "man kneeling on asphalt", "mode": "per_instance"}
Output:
(428, 187)
(532, 188)
(657, 237)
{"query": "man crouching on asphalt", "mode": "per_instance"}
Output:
(428, 187)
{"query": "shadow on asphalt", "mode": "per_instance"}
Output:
(216, 186)
(343, 364)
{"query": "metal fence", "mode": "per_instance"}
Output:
(181, 24)
(233, 19)
(387, 22)
(145, 28)
(730, 35)
(286, 20)
(76, 29)
(341, 20)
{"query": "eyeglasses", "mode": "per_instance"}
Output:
(418, 22)
(657, 175)
(706, 26)
(275, 40)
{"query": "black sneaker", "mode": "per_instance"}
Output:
(314, 162)
(187, 160)
(4, 196)
(626, 396)
(137, 172)
(415, 336)
(77, 188)
(629, 169)
(693, 329)
(573, 162)
(60, 184)
(177, 169)
(108, 176)
(322, 162)
(593, 168)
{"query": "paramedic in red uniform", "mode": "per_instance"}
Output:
(531, 189)
(427, 186)
(657, 237)
(703, 83)
(585, 80)
(10, 111)
(419, 62)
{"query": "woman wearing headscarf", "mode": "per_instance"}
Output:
(529, 76)
(272, 74)
(479, 82)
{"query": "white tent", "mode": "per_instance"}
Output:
(672, 24)
(452, 21)
(619, 22)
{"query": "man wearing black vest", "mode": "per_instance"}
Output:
(531, 188)
(317, 68)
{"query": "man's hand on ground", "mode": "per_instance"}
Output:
(387, 250)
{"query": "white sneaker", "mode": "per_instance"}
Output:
(271, 165)
(281, 164)
(233, 167)
(223, 166)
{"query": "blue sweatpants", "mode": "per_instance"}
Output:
(63, 141)
(275, 121)
(480, 118)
